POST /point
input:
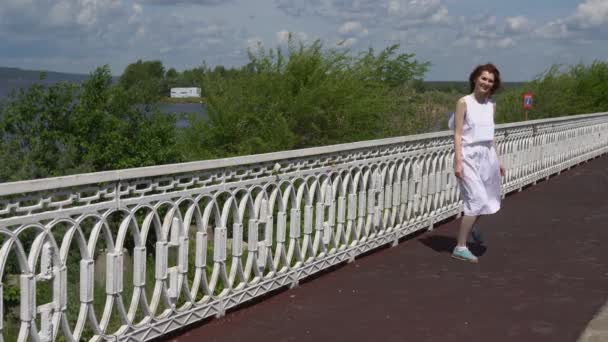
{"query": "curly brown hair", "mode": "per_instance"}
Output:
(491, 68)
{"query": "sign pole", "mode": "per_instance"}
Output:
(528, 103)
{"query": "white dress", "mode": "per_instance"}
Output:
(481, 184)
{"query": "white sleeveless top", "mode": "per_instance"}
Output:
(478, 121)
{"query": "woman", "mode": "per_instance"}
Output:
(476, 163)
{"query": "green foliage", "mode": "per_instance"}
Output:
(65, 129)
(559, 91)
(429, 110)
(106, 119)
(149, 82)
(146, 79)
(172, 74)
(11, 294)
(191, 78)
(34, 133)
(304, 97)
(141, 71)
(188, 78)
(392, 69)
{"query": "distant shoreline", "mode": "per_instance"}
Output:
(182, 100)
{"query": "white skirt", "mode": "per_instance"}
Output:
(481, 184)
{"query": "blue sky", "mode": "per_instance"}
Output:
(522, 37)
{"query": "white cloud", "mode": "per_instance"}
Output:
(481, 43)
(482, 32)
(592, 13)
(462, 42)
(347, 43)
(588, 22)
(302, 36)
(516, 25)
(282, 37)
(189, 2)
(350, 27)
(393, 7)
(254, 43)
(90, 33)
(141, 31)
(401, 13)
(506, 42)
(137, 12)
(441, 16)
(407, 13)
(60, 13)
(557, 29)
(63, 17)
(82, 34)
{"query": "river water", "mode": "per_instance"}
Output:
(184, 108)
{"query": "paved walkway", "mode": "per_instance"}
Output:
(543, 277)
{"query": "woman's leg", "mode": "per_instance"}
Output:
(476, 232)
(466, 224)
(461, 251)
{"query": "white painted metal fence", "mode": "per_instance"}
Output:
(134, 254)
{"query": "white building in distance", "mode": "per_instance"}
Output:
(185, 92)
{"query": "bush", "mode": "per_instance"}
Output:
(306, 97)
(559, 91)
(68, 128)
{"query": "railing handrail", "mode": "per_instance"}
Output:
(42, 184)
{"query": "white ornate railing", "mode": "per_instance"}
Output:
(133, 254)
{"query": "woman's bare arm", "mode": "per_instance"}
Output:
(502, 168)
(461, 107)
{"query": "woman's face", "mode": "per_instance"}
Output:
(484, 83)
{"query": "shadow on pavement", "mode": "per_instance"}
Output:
(446, 244)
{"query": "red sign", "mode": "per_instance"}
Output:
(528, 100)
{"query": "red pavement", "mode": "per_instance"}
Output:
(542, 277)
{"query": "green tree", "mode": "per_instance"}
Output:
(391, 68)
(67, 128)
(559, 91)
(306, 96)
(116, 133)
(172, 73)
(146, 79)
(34, 133)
